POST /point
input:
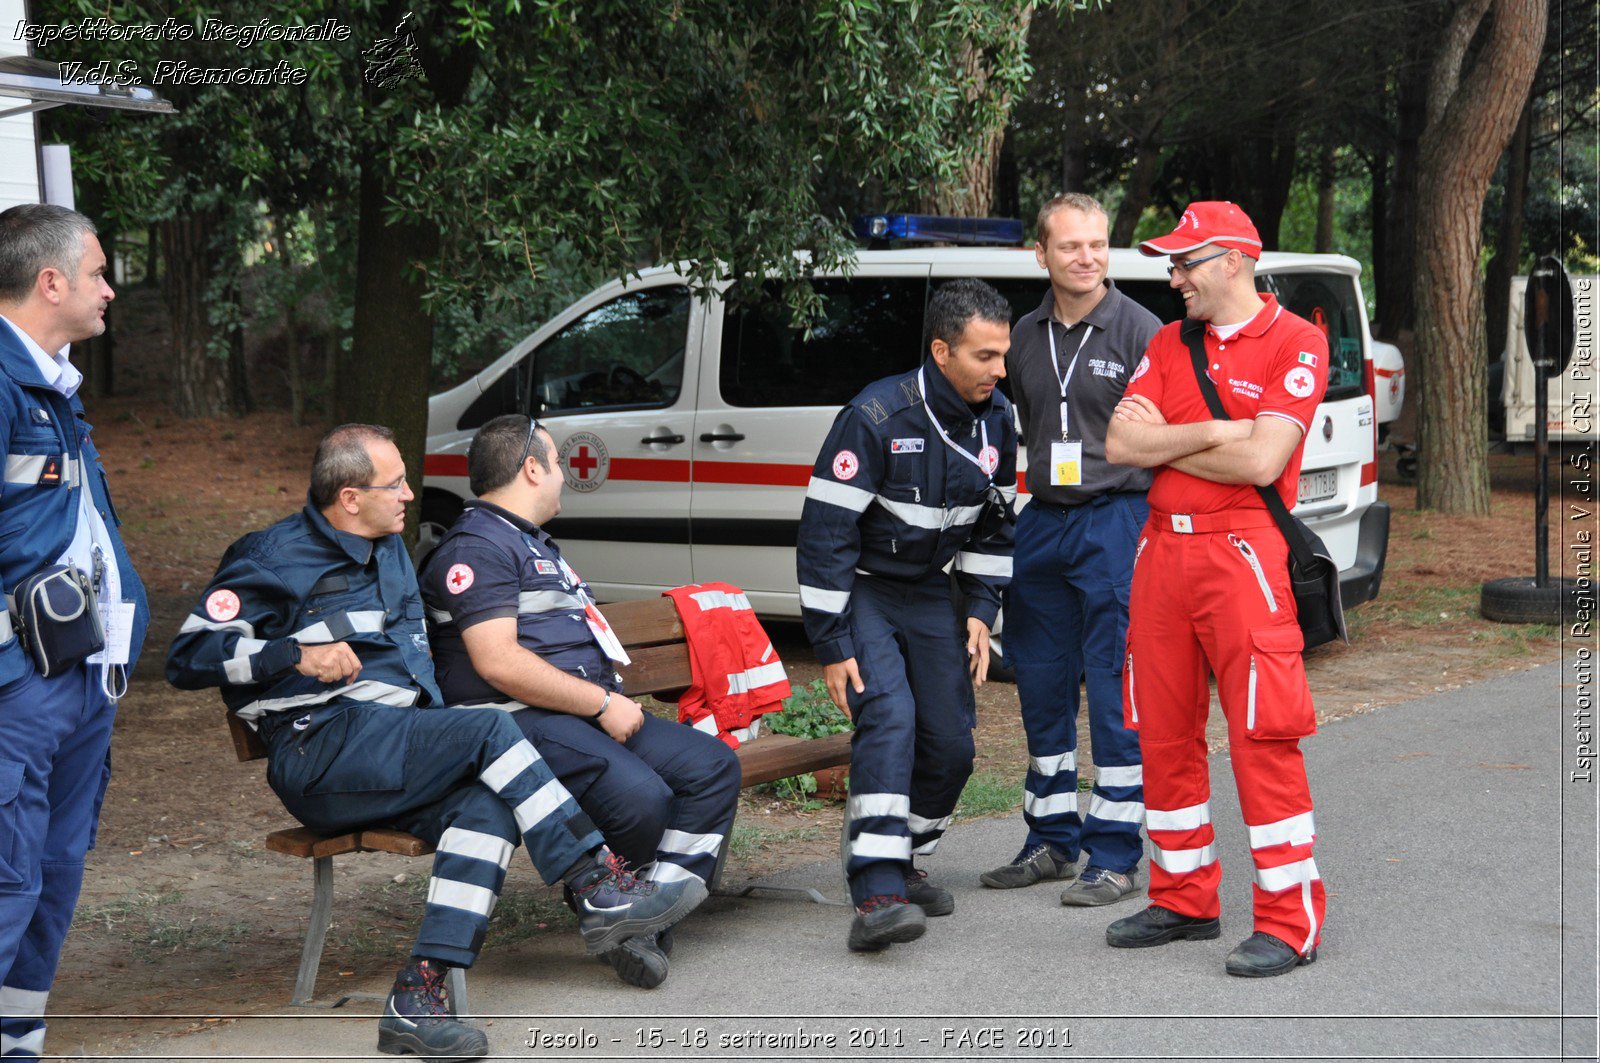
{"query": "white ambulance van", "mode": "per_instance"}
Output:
(686, 428)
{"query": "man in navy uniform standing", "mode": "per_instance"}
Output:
(918, 471)
(1067, 606)
(55, 732)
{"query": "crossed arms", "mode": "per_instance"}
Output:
(1224, 452)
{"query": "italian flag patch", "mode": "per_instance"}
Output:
(1307, 358)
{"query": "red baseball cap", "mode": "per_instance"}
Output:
(1208, 222)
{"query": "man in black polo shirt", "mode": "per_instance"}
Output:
(1067, 606)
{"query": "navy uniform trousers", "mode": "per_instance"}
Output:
(464, 780)
(1066, 618)
(55, 743)
(668, 794)
(912, 749)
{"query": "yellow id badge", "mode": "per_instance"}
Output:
(1066, 463)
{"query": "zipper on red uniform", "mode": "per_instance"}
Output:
(1249, 554)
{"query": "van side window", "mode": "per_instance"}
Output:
(1328, 301)
(870, 328)
(1026, 295)
(624, 354)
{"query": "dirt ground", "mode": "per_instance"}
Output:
(184, 913)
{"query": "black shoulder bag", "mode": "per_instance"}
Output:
(1313, 576)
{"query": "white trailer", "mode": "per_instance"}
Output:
(21, 177)
(1570, 412)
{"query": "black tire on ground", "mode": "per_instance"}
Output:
(1516, 600)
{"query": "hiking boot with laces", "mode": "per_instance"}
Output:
(1031, 865)
(933, 900)
(884, 920)
(1099, 885)
(614, 904)
(417, 1019)
(1262, 955)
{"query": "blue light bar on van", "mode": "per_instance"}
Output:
(932, 228)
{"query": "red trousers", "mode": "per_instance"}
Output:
(1214, 599)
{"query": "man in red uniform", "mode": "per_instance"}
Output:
(1211, 595)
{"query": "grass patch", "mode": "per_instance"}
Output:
(989, 795)
(748, 839)
(140, 919)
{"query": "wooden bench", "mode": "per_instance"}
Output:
(652, 633)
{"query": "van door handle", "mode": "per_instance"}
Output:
(664, 439)
(721, 437)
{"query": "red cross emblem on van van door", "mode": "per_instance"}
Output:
(583, 461)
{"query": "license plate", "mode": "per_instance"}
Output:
(1318, 486)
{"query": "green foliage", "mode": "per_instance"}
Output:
(989, 795)
(808, 713)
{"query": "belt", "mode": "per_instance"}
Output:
(1199, 523)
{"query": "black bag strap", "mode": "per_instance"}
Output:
(1193, 333)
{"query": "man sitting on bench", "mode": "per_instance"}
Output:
(514, 626)
(313, 629)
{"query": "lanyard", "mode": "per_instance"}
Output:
(937, 427)
(1050, 327)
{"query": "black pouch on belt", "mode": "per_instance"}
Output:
(57, 618)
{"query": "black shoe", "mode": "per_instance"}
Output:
(639, 961)
(1157, 926)
(1262, 956)
(417, 1018)
(933, 900)
(1043, 861)
(613, 904)
(885, 920)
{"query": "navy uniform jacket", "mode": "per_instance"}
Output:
(303, 581)
(490, 564)
(890, 497)
(45, 436)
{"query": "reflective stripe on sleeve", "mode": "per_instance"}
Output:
(756, 678)
(836, 494)
(237, 667)
(196, 622)
(340, 626)
(983, 564)
(824, 601)
(720, 600)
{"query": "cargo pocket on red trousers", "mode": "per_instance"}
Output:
(1277, 700)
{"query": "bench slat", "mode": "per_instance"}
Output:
(776, 756)
(387, 840)
(657, 670)
(645, 622)
(307, 843)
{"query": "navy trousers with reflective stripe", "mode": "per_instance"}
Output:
(667, 795)
(464, 780)
(1067, 617)
(912, 749)
(55, 741)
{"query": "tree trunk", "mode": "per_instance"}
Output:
(1378, 218)
(1136, 193)
(1397, 298)
(386, 378)
(202, 386)
(1508, 239)
(1472, 109)
(1326, 184)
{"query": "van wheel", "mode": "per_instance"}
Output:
(1515, 600)
(439, 511)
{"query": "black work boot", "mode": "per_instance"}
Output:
(933, 900)
(1261, 955)
(639, 961)
(885, 920)
(1157, 926)
(417, 1018)
(614, 905)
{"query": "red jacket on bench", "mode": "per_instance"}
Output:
(737, 674)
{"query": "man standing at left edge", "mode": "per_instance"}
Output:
(55, 508)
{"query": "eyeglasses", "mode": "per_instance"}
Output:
(527, 445)
(1188, 267)
(401, 486)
